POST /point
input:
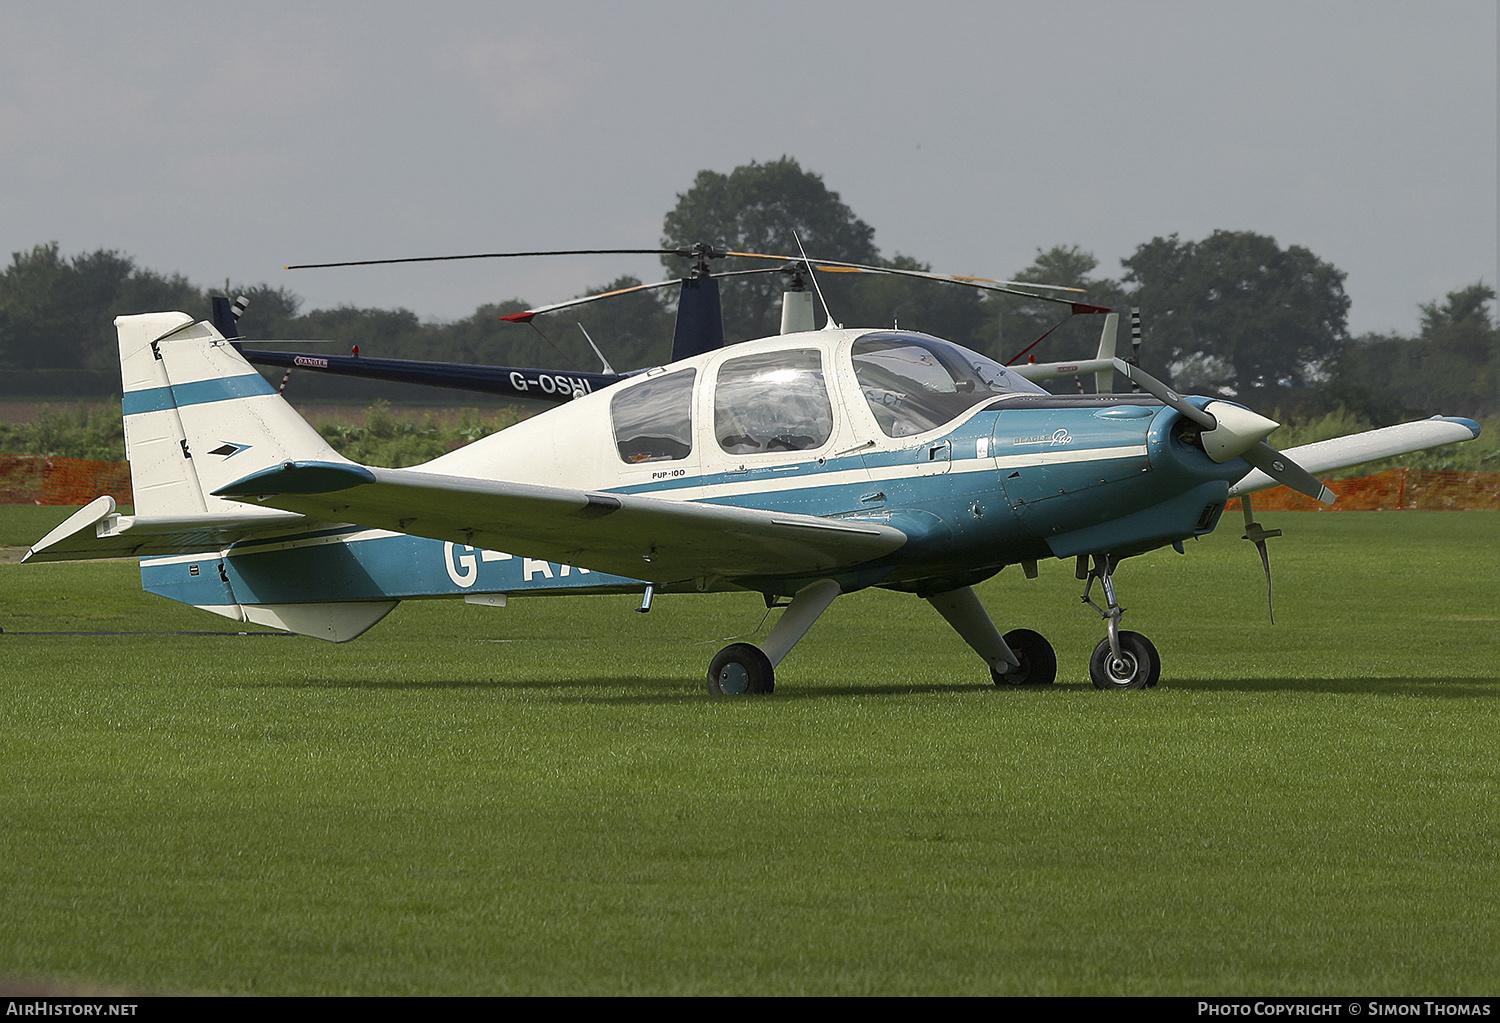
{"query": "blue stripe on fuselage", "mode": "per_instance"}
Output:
(337, 565)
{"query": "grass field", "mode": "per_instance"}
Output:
(544, 800)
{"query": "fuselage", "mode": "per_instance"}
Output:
(830, 423)
(978, 467)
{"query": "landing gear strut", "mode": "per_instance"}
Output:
(1122, 660)
(1020, 657)
(741, 669)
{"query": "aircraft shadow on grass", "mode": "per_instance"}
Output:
(566, 690)
(558, 687)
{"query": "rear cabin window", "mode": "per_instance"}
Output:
(773, 402)
(653, 420)
(915, 383)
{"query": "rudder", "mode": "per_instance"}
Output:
(198, 416)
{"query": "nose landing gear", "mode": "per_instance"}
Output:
(1123, 659)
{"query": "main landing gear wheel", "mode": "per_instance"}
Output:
(1137, 667)
(741, 669)
(1038, 660)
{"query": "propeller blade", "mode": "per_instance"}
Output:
(1287, 472)
(1248, 425)
(1164, 394)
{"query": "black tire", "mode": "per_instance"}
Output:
(1132, 671)
(1038, 660)
(741, 670)
(1154, 675)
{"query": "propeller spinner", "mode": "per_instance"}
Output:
(1230, 431)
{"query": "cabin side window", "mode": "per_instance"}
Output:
(772, 402)
(653, 420)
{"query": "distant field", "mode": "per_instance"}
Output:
(544, 800)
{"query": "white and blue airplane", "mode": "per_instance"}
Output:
(801, 467)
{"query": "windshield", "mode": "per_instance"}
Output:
(914, 382)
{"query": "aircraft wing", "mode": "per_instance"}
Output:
(1370, 446)
(660, 541)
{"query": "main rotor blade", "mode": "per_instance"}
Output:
(1287, 472)
(529, 314)
(493, 255)
(982, 283)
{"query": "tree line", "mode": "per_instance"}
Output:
(1234, 313)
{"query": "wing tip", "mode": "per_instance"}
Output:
(1468, 424)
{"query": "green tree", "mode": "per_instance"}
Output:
(59, 313)
(951, 311)
(1249, 316)
(43, 324)
(766, 208)
(1452, 366)
(1014, 323)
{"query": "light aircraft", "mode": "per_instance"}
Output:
(801, 467)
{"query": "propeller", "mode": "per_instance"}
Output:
(1230, 431)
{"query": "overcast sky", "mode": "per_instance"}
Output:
(225, 140)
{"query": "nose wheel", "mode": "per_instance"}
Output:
(1123, 659)
(1136, 666)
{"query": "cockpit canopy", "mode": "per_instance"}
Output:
(916, 382)
(779, 400)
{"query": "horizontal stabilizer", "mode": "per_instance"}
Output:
(1370, 446)
(96, 531)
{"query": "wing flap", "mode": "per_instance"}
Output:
(637, 537)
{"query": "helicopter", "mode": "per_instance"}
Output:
(698, 327)
(801, 467)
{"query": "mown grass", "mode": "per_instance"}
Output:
(544, 800)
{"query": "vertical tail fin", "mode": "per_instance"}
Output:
(198, 416)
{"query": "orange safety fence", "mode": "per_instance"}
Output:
(1396, 490)
(37, 479)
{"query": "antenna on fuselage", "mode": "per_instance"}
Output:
(607, 367)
